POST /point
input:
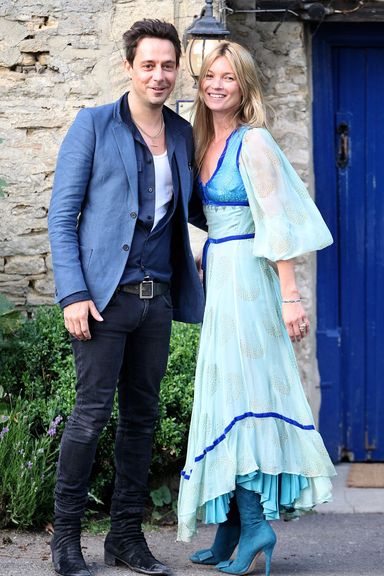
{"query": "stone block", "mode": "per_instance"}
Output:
(49, 266)
(35, 299)
(30, 244)
(25, 265)
(9, 57)
(13, 286)
(39, 119)
(28, 211)
(85, 41)
(43, 59)
(84, 87)
(78, 7)
(12, 32)
(34, 45)
(82, 66)
(44, 286)
(9, 79)
(27, 59)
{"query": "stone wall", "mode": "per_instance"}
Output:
(58, 56)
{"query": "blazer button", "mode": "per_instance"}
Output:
(126, 247)
(133, 215)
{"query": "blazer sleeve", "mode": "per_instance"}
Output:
(196, 215)
(287, 221)
(73, 172)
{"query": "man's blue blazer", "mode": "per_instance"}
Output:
(94, 205)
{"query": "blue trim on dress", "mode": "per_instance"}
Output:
(220, 241)
(238, 153)
(220, 203)
(238, 419)
(220, 160)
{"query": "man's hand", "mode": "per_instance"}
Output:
(76, 318)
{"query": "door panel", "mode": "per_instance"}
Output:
(348, 76)
(375, 255)
(350, 108)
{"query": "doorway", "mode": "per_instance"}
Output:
(348, 109)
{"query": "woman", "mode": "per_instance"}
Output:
(253, 451)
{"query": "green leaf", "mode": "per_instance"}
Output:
(161, 496)
(94, 498)
(156, 516)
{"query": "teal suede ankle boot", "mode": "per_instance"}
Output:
(256, 535)
(226, 539)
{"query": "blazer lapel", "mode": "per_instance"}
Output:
(184, 169)
(126, 148)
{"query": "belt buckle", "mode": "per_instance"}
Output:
(146, 289)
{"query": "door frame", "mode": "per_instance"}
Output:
(328, 307)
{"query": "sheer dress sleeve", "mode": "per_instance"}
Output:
(287, 221)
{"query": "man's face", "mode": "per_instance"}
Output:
(153, 71)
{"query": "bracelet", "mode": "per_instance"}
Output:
(291, 301)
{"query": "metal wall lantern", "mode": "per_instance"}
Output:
(201, 37)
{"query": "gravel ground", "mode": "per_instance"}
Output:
(316, 545)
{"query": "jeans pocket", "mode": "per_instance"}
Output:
(166, 297)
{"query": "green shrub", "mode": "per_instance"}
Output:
(176, 398)
(10, 321)
(27, 464)
(38, 366)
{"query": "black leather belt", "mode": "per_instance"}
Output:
(147, 289)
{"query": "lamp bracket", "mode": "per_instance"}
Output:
(206, 25)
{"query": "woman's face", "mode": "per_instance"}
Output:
(220, 88)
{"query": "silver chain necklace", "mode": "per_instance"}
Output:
(156, 136)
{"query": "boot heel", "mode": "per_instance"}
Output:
(268, 556)
(109, 559)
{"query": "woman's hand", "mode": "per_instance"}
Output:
(295, 320)
(199, 265)
(294, 315)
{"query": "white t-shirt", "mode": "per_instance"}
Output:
(163, 186)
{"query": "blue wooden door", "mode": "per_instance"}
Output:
(348, 76)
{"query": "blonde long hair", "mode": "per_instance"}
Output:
(252, 110)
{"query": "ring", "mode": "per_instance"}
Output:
(302, 327)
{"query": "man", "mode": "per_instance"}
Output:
(123, 269)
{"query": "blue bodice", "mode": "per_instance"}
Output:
(225, 186)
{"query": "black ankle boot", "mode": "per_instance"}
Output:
(125, 544)
(67, 557)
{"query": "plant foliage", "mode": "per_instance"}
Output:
(37, 368)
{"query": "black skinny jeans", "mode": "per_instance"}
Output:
(129, 349)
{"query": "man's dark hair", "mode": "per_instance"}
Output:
(148, 28)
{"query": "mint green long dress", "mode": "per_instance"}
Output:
(251, 422)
